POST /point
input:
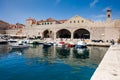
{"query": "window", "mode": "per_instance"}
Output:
(70, 21)
(78, 21)
(48, 23)
(109, 16)
(45, 23)
(82, 21)
(74, 21)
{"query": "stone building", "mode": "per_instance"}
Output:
(73, 28)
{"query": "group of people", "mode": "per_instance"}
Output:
(113, 42)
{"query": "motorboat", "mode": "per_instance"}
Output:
(81, 44)
(19, 44)
(70, 44)
(61, 44)
(46, 45)
(35, 41)
(12, 40)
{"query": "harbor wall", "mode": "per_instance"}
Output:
(109, 68)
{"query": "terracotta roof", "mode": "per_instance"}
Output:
(31, 19)
(11, 26)
(20, 25)
(61, 21)
(50, 20)
(39, 22)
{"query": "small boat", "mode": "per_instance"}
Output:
(81, 44)
(3, 42)
(70, 44)
(61, 44)
(19, 44)
(35, 41)
(12, 40)
(46, 45)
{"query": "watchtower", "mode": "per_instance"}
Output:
(109, 15)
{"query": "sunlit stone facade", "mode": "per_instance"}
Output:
(73, 28)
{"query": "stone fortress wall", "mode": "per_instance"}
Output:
(72, 28)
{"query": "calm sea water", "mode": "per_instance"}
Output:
(37, 63)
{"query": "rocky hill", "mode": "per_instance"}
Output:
(3, 26)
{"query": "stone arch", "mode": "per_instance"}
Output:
(81, 33)
(47, 33)
(63, 33)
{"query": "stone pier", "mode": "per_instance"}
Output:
(109, 68)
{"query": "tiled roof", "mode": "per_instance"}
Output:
(61, 21)
(39, 22)
(31, 19)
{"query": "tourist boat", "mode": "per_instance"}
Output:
(61, 44)
(81, 44)
(70, 44)
(19, 44)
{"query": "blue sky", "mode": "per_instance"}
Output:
(13, 11)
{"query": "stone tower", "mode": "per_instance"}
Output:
(109, 15)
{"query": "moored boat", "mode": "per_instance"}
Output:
(70, 44)
(81, 44)
(46, 45)
(61, 44)
(19, 44)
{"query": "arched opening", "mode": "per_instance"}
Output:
(47, 34)
(82, 34)
(63, 33)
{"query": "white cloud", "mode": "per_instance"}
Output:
(94, 3)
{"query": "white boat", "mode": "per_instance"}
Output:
(12, 40)
(19, 44)
(70, 44)
(35, 41)
(81, 44)
(61, 44)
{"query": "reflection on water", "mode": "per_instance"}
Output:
(90, 55)
(4, 49)
(81, 53)
(70, 63)
(63, 52)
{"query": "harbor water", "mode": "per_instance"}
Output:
(53, 63)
